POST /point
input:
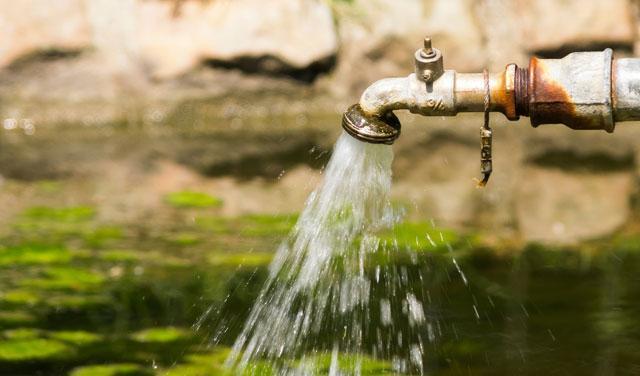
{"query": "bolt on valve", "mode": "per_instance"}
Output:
(428, 62)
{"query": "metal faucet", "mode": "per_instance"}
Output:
(583, 90)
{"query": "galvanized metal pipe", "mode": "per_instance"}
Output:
(449, 95)
(626, 89)
(575, 90)
(584, 90)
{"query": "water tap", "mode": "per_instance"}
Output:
(583, 90)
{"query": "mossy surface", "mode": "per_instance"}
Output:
(64, 214)
(124, 369)
(420, 236)
(267, 225)
(191, 199)
(120, 255)
(161, 335)
(102, 298)
(20, 297)
(33, 349)
(22, 333)
(213, 364)
(241, 258)
(346, 363)
(210, 363)
(102, 235)
(65, 278)
(79, 302)
(16, 318)
(32, 254)
(77, 337)
(185, 238)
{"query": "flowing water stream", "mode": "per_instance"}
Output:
(329, 298)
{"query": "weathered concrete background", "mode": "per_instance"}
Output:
(155, 62)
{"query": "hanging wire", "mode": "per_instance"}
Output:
(486, 136)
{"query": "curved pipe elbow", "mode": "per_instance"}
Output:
(387, 95)
(410, 93)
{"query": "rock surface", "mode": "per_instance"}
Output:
(559, 207)
(378, 39)
(227, 65)
(174, 37)
(551, 24)
(41, 25)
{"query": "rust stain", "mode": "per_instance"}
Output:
(503, 95)
(550, 103)
(521, 83)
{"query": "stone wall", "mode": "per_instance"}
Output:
(150, 61)
(340, 45)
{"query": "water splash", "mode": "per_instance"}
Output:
(318, 300)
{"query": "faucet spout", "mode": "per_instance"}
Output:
(390, 94)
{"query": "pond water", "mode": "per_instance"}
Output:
(84, 293)
(175, 307)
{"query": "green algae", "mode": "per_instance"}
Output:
(16, 318)
(191, 199)
(102, 235)
(421, 236)
(240, 258)
(121, 369)
(22, 333)
(200, 365)
(266, 225)
(21, 297)
(64, 214)
(185, 238)
(77, 337)
(89, 302)
(65, 278)
(34, 349)
(212, 364)
(53, 300)
(119, 255)
(347, 364)
(161, 335)
(248, 226)
(34, 254)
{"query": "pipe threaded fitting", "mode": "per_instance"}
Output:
(522, 91)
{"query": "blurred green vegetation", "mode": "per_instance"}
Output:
(125, 369)
(189, 199)
(85, 297)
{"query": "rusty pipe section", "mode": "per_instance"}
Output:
(575, 91)
(584, 90)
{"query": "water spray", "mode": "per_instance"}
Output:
(583, 90)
